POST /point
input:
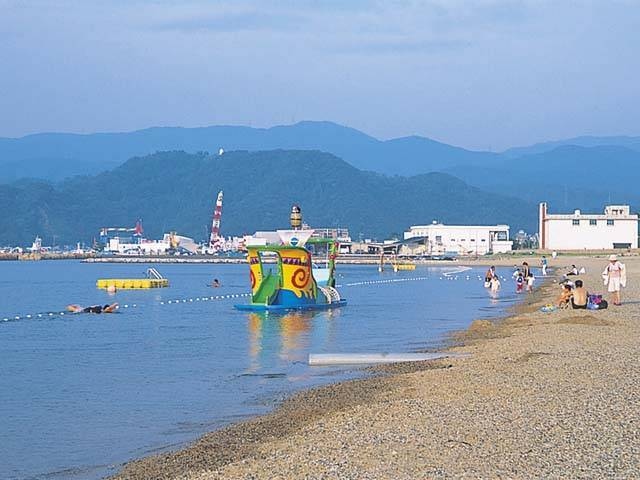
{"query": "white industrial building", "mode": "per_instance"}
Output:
(141, 246)
(461, 239)
(616, 228)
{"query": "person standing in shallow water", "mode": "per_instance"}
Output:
(525, 270)
(543, 264)
(491, 273)
(615, 277)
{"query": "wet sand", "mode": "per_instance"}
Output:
(543, 395)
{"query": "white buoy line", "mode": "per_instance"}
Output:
(55, 314)
(390, 280)
(455, 272)
(451, 276)
(204, 299)
(446, 276)
(30, 316)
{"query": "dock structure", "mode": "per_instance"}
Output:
(154, 280)
(131, 283)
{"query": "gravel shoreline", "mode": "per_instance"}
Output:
(543, 395)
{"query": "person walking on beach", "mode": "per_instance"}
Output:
(615, 277)
(543, 263)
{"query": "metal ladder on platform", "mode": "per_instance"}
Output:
(331, 294)
(153, 273)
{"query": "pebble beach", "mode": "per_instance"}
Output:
(541, 395)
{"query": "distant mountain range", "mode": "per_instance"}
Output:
(60, 153)
(632, 143)
(176, 191)
(55, 156)
(568, 177)
(583, 172)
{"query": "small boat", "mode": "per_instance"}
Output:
(153, 280)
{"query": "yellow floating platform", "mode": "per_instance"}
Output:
(132, 283)
(404, 266)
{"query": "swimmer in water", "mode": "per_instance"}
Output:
(93, 308)
(216, 283)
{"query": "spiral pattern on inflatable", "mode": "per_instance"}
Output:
(300, 278)
(252, 277)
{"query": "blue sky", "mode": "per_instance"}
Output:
(488, 74)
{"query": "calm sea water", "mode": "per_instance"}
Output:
(81, 394)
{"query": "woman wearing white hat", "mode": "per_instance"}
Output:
(615, 276)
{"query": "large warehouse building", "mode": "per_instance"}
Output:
(616, 228)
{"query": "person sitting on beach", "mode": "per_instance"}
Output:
(565, 297)
(566, 281)
(573, 271)
(580, 296)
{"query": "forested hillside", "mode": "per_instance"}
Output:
(176, 191)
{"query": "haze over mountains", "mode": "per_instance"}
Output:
(583, 172)
(102, 151)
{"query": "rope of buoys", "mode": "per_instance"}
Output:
(126, 305)
(204, 299)
(377, 282)
(451, 276)
(455, 272)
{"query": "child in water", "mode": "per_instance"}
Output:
(519, 283)
(495, 284)
(530, 279)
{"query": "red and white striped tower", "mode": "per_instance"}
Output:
(214, 238)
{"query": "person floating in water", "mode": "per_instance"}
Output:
(216, 283)
(93, 308)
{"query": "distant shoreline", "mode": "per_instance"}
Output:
(517, 257)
